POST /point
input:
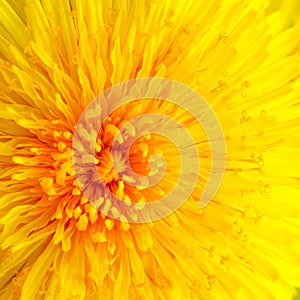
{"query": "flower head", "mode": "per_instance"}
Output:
(55, 58)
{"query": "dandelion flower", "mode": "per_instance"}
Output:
(56, 57)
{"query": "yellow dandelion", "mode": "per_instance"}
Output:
(56, 56)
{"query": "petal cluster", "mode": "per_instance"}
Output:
(242, 57)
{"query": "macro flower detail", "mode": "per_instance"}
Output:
(56, 56)
(85, 137)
